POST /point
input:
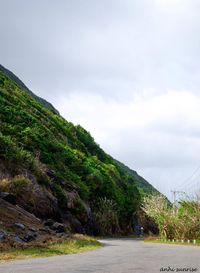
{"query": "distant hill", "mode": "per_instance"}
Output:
(56, 170)
(144, 186)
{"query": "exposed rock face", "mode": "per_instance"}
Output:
(28, 229)
(33, 197)
(9, 213)
(38, 199)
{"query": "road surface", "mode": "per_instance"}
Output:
(117, 256)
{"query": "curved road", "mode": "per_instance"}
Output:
(117, 256)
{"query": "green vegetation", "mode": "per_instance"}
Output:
(181, 222)
(36, 141)
(70, 246)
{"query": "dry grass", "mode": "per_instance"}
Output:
(49, 247)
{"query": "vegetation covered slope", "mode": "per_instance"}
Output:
(56, 169)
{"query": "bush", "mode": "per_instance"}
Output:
(5, 185)
(17, 185)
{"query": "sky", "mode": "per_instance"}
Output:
(128, 71)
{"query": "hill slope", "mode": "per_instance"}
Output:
(56, 170)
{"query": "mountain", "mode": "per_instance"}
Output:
(55, 170)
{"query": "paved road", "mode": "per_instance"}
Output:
(117, 256)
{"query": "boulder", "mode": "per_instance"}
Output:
(33, 229)
(30, 236)
(19, 226)
(17, 239)
(49, 222)
(3, 235)
(58, 227)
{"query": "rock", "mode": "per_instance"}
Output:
(3, 235)
(17, 239)
(58, 227)
(30, 236)
(33, 229)
(46, 230)
(9, 197)
(20, 226)
(49, 222)
(63, 235)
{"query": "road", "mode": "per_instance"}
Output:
(117, 256)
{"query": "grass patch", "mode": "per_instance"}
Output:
(159, 241)
(76, 244)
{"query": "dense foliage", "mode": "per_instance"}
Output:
(37, 139)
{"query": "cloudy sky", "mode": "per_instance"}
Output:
(126, 70)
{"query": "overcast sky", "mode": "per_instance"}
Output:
(128, 71)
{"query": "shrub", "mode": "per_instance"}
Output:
(16, 185)
(19, 184)
(5, 185)
(182, 222)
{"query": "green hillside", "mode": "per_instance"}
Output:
(56, 170)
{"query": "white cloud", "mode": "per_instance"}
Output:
(128, 71)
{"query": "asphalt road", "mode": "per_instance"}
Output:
(117, 256)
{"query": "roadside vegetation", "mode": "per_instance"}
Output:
(177, 223)
(51, 247)
(173, 242)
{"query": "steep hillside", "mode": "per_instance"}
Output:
(56, 170)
